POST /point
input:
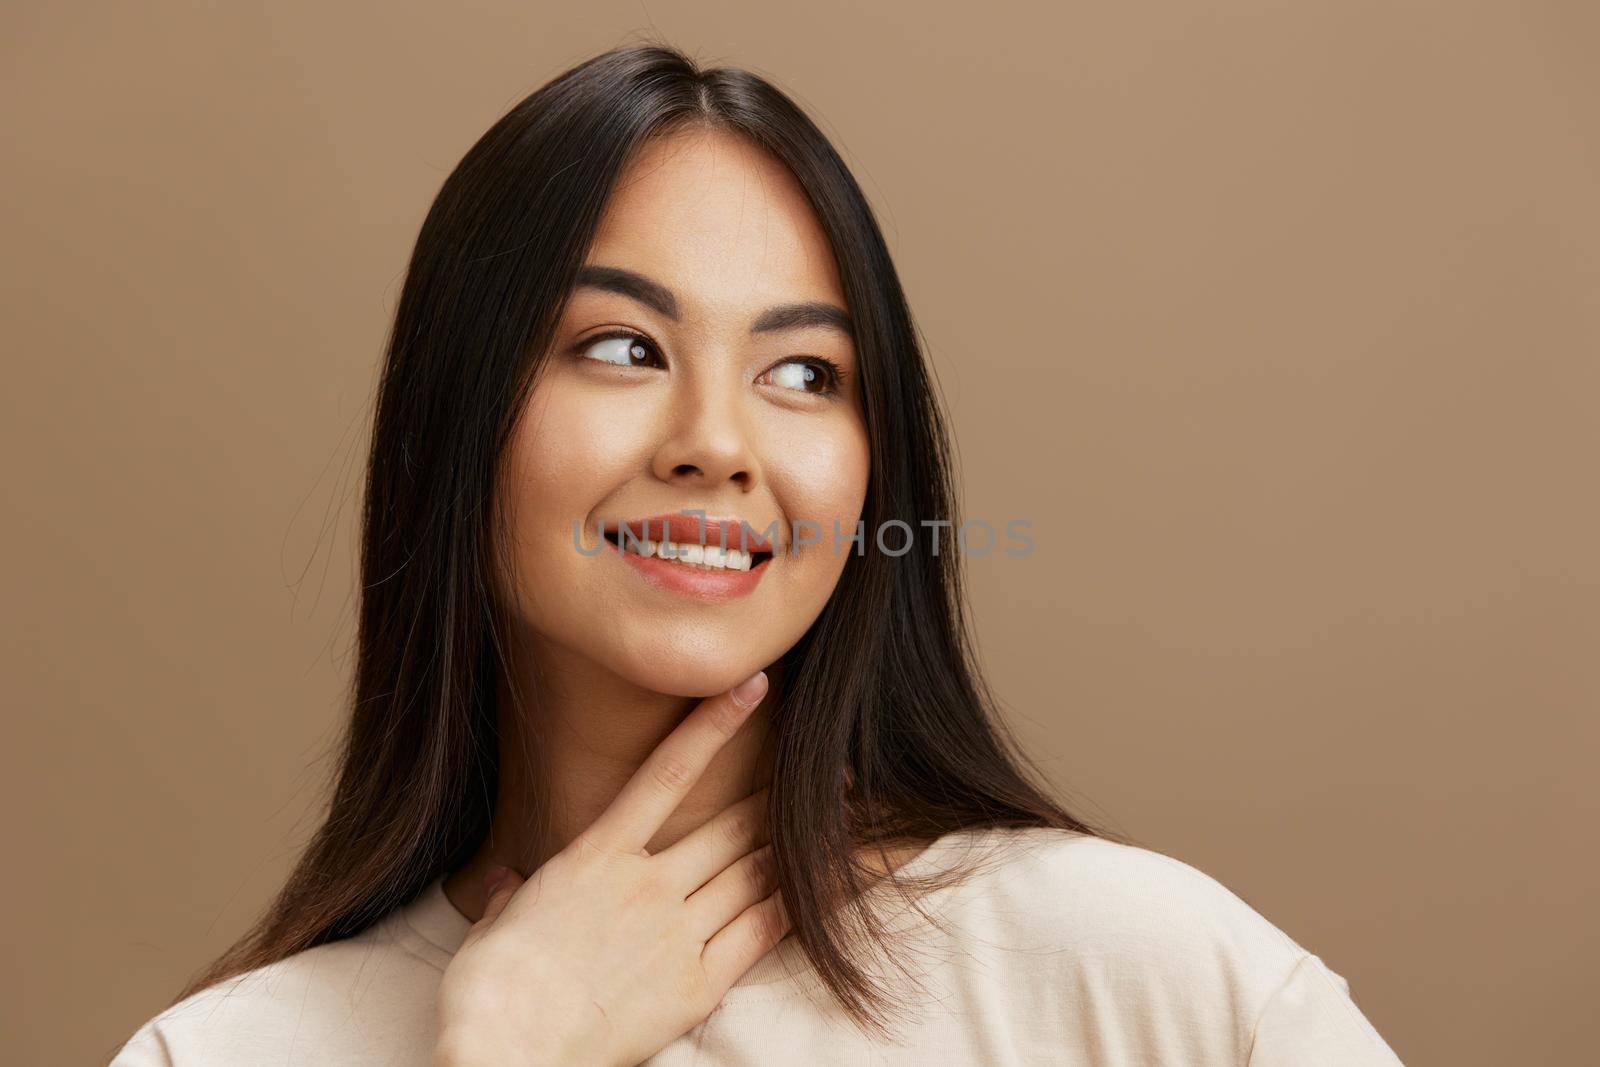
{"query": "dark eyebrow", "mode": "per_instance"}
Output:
(654, 295)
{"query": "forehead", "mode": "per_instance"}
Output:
(721, 222)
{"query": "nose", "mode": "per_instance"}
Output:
(707, 442)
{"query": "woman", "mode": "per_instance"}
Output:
(641, 690)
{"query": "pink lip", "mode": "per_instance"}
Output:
(701, 583)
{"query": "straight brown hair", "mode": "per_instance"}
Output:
(883, 690)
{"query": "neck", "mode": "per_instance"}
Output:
(573, 746)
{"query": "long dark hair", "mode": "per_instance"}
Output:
(883, 689)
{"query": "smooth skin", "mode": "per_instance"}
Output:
(648, 887)
(608, 953)
(713, 419)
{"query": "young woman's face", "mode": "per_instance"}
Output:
(691, 371)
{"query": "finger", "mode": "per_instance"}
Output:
(501, 884)
(668, 773)
(742, 942)
(723, 899)
(708, 849)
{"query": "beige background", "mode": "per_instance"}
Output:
(1279, 321)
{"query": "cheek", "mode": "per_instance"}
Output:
(562, 449)
(822, 477)
(567, 454)
(571, 450)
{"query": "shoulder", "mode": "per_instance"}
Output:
(337, 1002)
(1098, 941)
(1088, 910)
(1126, 898)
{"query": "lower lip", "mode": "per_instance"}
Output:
(701, 583)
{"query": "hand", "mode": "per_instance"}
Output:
(606, 954)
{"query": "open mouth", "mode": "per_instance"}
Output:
(709, 557)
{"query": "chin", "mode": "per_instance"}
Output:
(686, 672)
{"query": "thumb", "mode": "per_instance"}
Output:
(500, 884)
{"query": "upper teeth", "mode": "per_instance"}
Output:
(733, 559)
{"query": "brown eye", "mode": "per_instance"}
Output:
(804, 376)
(620, 350)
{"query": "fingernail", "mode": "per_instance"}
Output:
(748, 693)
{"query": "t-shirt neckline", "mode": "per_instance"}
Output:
(784, 971)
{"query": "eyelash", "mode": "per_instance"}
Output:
(833, 373)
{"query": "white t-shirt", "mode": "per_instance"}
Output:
(1063, 949)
